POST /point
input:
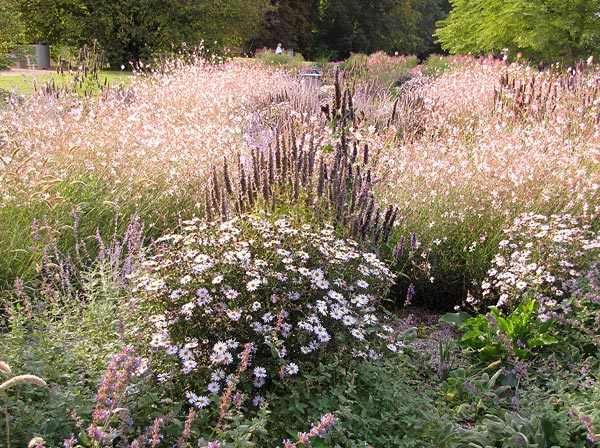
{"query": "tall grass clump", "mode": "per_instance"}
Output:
(479, 157)
(378, 67)
(127, 150)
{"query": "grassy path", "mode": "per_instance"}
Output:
(23, 80)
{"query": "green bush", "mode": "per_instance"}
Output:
(494, 336)
(281, 60)
(53, 340)
(374, 401)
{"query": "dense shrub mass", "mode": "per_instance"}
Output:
(261, 292)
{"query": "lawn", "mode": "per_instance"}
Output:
(26, 82)
(222, 255)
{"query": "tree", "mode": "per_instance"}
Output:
(11, 30)
(291, 23)
(133, 30)
(430, 12)
(232, 22)
(51, 21)
(539, 29)
(405, 26)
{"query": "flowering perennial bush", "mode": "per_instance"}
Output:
(288, 292)
(541, 257)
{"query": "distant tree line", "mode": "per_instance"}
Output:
(336, 28)
(134, 30)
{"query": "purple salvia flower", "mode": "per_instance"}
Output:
(410, 294)
(304, 438)
(399, 247)
(70, 442)
(413, 240)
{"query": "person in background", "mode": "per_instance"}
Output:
(278, 50)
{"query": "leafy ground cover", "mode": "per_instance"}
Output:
(221, 254)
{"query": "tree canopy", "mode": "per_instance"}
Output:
(356, 26)
(539, 29)
(11, 29)
(132, 30)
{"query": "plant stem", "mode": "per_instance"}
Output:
(5, 411)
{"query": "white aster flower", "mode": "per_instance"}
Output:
(213, 387)
(292, 368)
(260, 372)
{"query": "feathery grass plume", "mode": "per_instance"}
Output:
(4, 368)
(22, 379)
(36, 442)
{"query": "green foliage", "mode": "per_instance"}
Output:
(52, 339)
(445, 264)
(471, 393)
(11, 383)
(352, 26)
(565, 394)
(130, 31)
(493, 337)
(68, 224)
(548, 30)
(10, 30)
(291, 23)
(511, 430)
(579, 319)
(375, 402)
(281, 60)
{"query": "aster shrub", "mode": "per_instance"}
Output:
(257, 298)
(541, 257)
(534, 284)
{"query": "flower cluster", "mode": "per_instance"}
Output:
(541, 256)
(288, 292)
(324, 426)
(116, 384)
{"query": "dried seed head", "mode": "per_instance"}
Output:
(36, 442)
(226, 178)
(4, 368)
(22, 379)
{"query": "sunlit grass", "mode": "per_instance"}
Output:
(27, 82)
